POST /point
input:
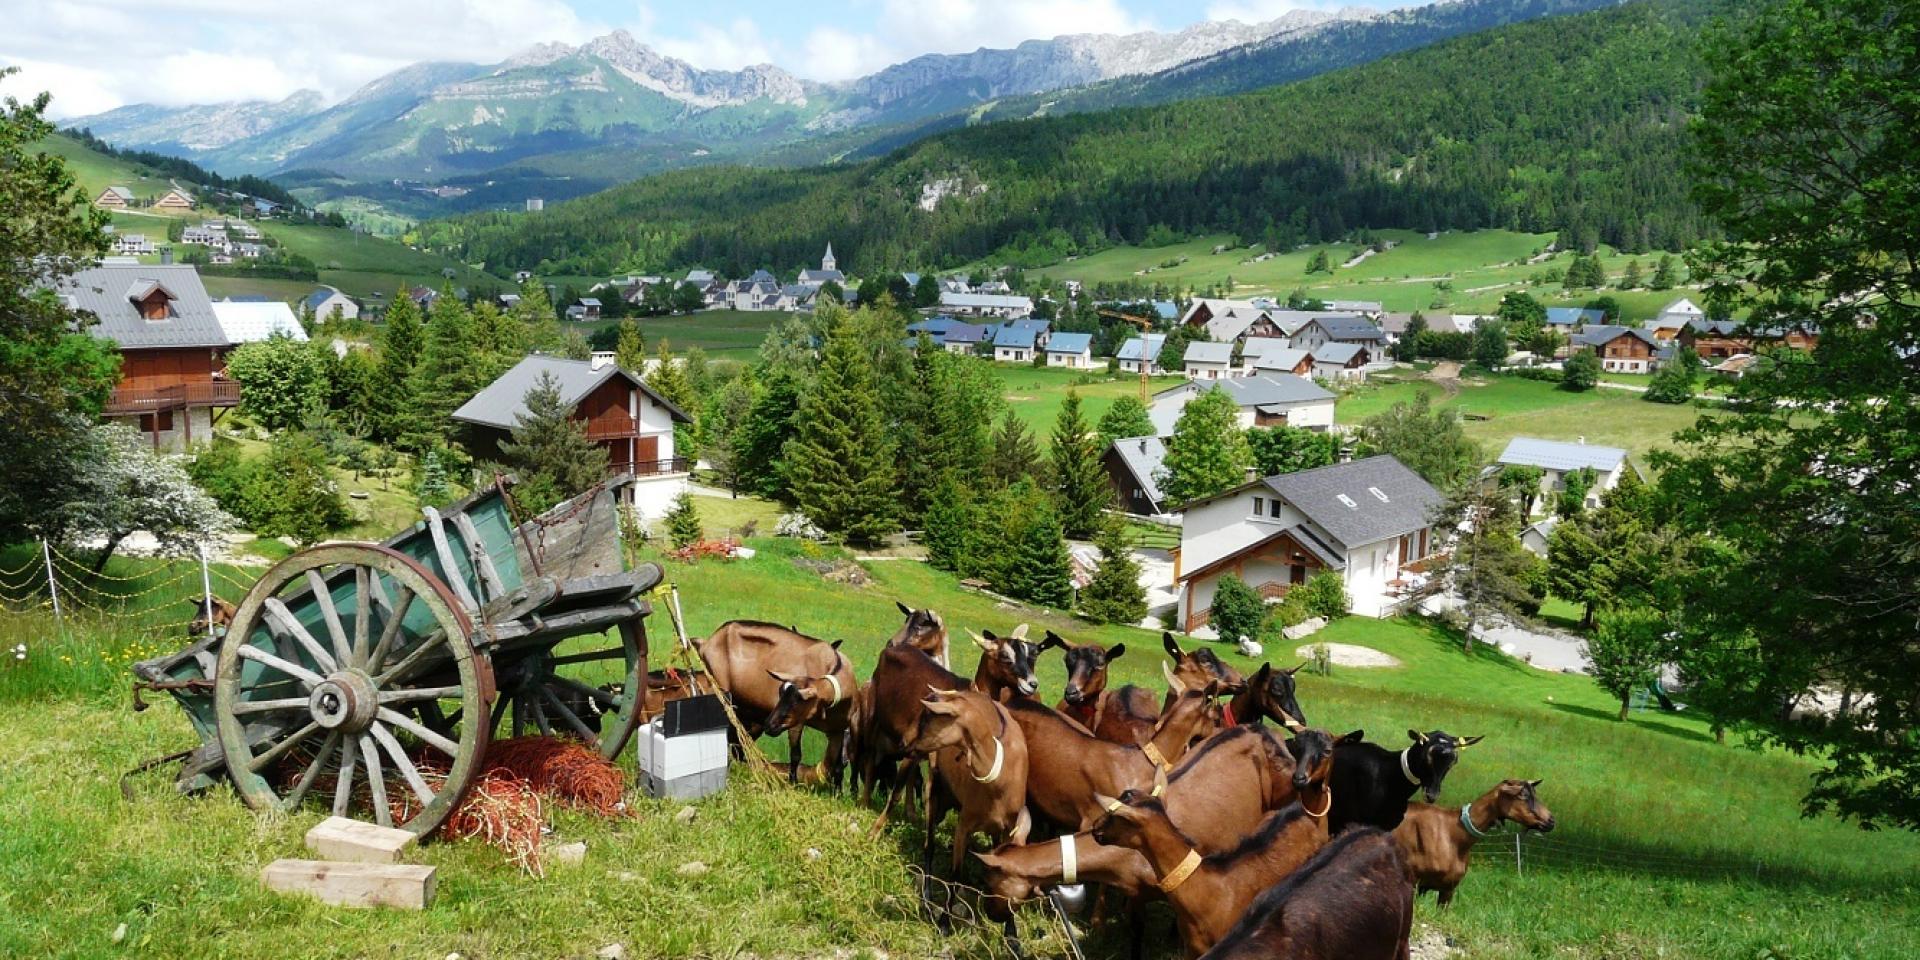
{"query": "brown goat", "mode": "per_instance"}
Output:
(887, 717)
(1067, 765)
(1196, 667)
(1119, 715)
(1210, 892)
(924, 630)
(1006, 664)
(782, 681)
(222, 616)
(1351, 901)
(980, 757)
(1439, 840)
(1269, 695)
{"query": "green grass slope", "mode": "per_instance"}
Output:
(1669, 845)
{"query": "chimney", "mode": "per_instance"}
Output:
(1581, 440)
(166, 255)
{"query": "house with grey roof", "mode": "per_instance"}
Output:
(118, 198)
(1005, 306)
(1133, 466)
(1017, 343)
(173, 349)
(968, 338)
(1264, 400)
(1281, 359)
(1071, 350)
(1327, 329)
(619, 412)
(1206, 360)
(1139, 351)
(1568, 319)
(326, 303)
(1623, 349)
(1371, 521)
(1556, 459)
(1338, 360)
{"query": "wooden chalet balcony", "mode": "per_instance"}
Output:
(651, 468)
(214, 393)
(613, 428)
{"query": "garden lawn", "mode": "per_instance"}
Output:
(1692, 849)
(1035, 394)
(735, 334)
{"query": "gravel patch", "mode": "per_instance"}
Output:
(1349, 655)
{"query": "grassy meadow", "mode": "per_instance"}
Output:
(1669, 845)
(1478, 267)
(733, 334)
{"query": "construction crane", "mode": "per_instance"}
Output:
(1146, 327)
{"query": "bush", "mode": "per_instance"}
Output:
(1237, 610)
(1323, 595)
(222, 470)
(1581, 372)
(683, 521)
(1542, 374)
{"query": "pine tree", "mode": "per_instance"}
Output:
(760, 440)
(1663, 274)
(1039, 569)
(432, 489)
(948, 526)
(840, 465)
(1631, 279)
(669, 380)
(1114, 594)
(1079, 480)
(630, 350)
(683, 521)
(1126, 418)
(451, 370)
(1319, 263)
(1208, 452)
(1015, 454)
(400, 344)
(550, 451)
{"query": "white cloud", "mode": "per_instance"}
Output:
(730, 46)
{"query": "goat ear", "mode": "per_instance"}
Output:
(836, 644)
(1173, 682)
(905, 610)
(1259, 678)
(1052, 640)
(990, 860)
(1212, 689)
(1173, 648)
(1109, 804)
(1114, 652)
(1351, 738)
(1470, 741)
(1019, 632)
(1416, 736)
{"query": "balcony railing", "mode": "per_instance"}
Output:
(210, 393)
(613, 428)
(651, 468)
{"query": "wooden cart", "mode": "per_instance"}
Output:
(374, 674)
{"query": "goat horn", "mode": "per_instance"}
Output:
(979, 641)
(1019, 632)
(1173, 682)
(944, 693)
(1107, 803)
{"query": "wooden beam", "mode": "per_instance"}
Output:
(406, 886)
(338, 838)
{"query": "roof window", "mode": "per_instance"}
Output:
(1378, 495)
(1348, 501)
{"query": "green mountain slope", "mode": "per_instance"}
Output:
(1573, 124)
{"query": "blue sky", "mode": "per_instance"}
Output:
(203, 51)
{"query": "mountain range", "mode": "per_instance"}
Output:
(557, 120)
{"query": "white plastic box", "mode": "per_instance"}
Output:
(685, 767)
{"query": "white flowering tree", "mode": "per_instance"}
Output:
(123, 487)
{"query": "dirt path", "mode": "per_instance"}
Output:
(1446, 374)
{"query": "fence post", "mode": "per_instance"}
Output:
(206, 591)
(53, 589)
(1518, 869)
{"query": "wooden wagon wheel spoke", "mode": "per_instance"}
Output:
(343, 789)
(287, 622)
(610, 653)
(426, 736)
(376, 780)
(280, 749)
(384, 645)
(539, 712)
(359, 701)
(406, 767)
(289, 668)
(419, 693)
(270, 706)
(330, 615)
(572, 719)
(312, 773)
(603, 698)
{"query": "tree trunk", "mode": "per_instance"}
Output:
(106, 553)
(1719, 734)
(1625, 704)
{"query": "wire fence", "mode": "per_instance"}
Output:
(156, 604)
(1527, 850)
(1035, 930)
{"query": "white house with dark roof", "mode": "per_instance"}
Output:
(1371, 521)
(1337, 360)
(1018, 342)
(1557, 458)
(619, 411)
(1206, 360)
(1323, 330)
(1071, 350)
(1266, 400)
(1005, 306)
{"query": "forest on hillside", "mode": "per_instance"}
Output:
(1571, 125)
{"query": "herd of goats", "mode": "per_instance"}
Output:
(1297, 845)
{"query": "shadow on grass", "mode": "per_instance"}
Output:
(1639, 723)
(1653, 858)
(1452, 642)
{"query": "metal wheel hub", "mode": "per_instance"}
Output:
(345, 701)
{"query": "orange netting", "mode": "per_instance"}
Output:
(566, 770)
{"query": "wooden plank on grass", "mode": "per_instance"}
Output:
(407, 886)
(338, 838)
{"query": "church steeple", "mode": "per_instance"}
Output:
(827, 262)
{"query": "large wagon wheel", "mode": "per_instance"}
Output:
(331, 662)
(595, 691)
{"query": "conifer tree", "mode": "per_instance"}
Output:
(451, 370)
(760, 440)
(1663, 274)
(630, 349)
(948, 526)
(550, 451)
(1038, 568)
(669, 380)
(1208, 452)
(1631, 278)
(400, 344)
(1114, 594)
(501, 337)
(1015, 454)
(432, 488)
(683, 521)
(1126, 418)
(1078, 479)
(840, 465)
